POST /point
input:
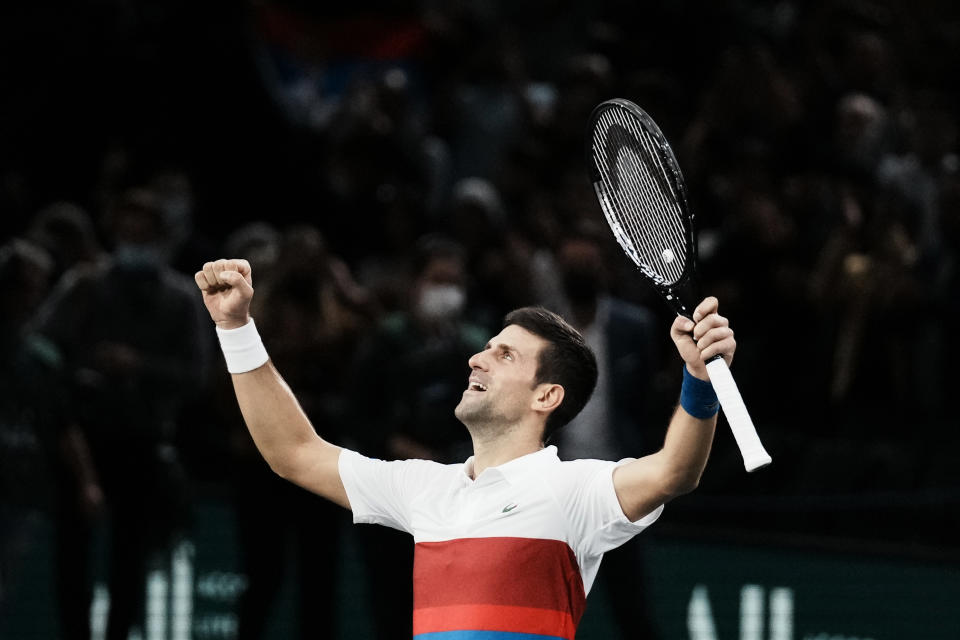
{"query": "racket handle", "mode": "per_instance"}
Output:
(754, 455)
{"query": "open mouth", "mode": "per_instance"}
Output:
(476, 386)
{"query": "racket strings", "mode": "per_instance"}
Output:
(646, 232)
(651, 214)
(648, 215)
(650, 221)
(646, 239)
(622, 208)
(625, 227)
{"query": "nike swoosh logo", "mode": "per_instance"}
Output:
(510, 507)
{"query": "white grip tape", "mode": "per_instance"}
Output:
(754, 455)
(242, 348)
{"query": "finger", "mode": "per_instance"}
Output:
(201, 280)
(241, 266)
(709, 305)
(725, 347)
(210, 274)
(219, 266)
(680, 333)
(236, 280)
(682, 326)
(208, 277)
(222, 266)
(714, 335)
(709, 322)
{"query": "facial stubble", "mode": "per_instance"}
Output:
(479, 415)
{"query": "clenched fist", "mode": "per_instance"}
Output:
(227, 287)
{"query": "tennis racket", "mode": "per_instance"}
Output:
(643, 197)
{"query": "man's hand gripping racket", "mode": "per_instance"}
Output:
(643, 197)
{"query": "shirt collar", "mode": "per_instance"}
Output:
(512, 470)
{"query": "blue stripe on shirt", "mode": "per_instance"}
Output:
(482, 635)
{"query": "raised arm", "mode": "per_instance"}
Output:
(279, 427)
(644, 484)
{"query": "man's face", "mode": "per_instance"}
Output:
(501, 388)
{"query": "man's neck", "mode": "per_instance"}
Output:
(502, 448)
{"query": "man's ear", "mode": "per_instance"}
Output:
(548, 397)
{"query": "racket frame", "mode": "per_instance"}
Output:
(685, 290)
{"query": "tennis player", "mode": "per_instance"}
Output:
(508, 543)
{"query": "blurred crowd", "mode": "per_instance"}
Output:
(401, 175)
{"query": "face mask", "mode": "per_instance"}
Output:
(441, 301)
(138, 257)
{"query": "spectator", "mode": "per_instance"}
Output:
(29, 407)
(497, 255)
(314, 315)
(128, 330)
(67, 232)
(416, 362)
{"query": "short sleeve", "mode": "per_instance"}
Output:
(596, 519)
(380, 492)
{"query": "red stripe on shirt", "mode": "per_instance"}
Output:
(490, 617)
(520, 574)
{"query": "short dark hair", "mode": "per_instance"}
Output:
(566, 360)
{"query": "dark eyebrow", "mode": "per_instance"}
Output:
(503, 347)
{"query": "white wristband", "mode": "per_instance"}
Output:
(242, 348)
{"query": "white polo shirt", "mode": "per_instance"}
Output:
(507, 556)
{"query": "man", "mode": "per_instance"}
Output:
(511, 540)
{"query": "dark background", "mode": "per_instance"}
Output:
(819, 141)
